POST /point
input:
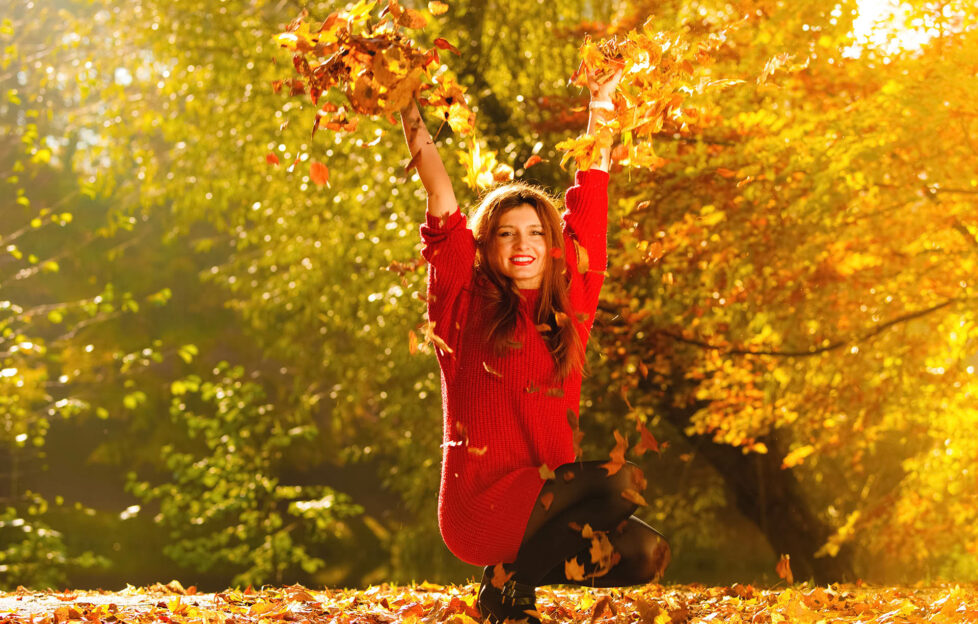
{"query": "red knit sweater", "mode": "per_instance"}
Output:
(503, 416)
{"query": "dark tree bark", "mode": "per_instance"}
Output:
(774, 500)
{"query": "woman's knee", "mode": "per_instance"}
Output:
(650, 558)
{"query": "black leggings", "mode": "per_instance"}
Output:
(584, 494)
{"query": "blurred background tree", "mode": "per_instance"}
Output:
(789, 306)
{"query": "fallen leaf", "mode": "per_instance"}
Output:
(602, 605)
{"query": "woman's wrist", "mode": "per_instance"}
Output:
(598, 103)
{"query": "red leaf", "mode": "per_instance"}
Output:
(532, 160)
(444, 45)
(271, 158)
(319, 173)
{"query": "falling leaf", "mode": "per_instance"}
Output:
(412, 342)
(271, 159)
(784, 569)
(583, 264)
(647, 441)
(547, 499)
(499, 576)
(437, 8)
(443, 44)
(617, 455)
(634, 497)
(568, 475)
(546, 473)
(726, 173)
(532, 160)
(318, 173)
(491, 370)
(412, 19)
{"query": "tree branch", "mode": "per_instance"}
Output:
(879, 329)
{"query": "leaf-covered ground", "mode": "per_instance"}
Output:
(427, 603)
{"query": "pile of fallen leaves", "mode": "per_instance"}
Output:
(427, 603)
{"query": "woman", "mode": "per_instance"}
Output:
(511, 302)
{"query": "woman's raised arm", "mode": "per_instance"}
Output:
(602, 106)
(424, 155)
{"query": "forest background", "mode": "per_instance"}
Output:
(211, 367)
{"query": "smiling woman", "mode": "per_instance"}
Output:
(511, 301)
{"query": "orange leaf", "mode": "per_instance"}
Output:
(784, 569)
(582, 260)
(726, 173)
(617, 455)
(546, 473)
(437, 8)
(573, 570)
(647, 443)
(634, 497)
(532, 160)
(568, 475)
(547, 499)
(412, 342)
(319, 173)
(500, 576)
(271, 158)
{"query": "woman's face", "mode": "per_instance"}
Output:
(519, 246)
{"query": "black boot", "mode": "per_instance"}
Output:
(507, 604)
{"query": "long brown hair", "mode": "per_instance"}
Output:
(553, 306)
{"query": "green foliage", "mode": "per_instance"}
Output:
(34, 554)
(225, 504)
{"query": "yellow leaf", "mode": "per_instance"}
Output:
(797, 456)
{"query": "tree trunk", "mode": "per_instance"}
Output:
(774, 500)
